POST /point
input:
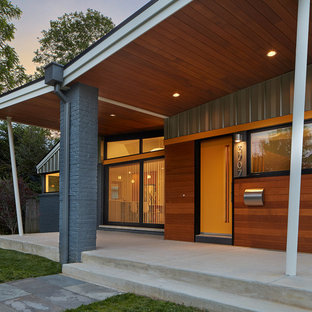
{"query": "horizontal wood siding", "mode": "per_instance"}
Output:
(266, 227)
(179, 211)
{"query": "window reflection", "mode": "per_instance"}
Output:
(270, 149)
(153, 144)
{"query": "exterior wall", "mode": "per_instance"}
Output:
(179, 191)
(266, 227)
(49, 212)
(269, 99)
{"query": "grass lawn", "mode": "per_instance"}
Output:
(133, 303)
(16, 265)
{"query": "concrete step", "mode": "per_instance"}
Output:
(29, 244)
(242, 287)
(152, 284)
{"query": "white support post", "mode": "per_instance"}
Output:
(15, 180)
(297, 136)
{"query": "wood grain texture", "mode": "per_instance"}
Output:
(204, 51)
(266, 227)
(179, 180)
(44, 111)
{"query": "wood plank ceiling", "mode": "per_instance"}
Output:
(204, 51)
(44, 111)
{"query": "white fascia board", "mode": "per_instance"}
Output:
(48, 156)
(24, 94)
(155, 14)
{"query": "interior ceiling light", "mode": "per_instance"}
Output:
(112, 115)
(155, 149)
(176, 94)
(271, 53)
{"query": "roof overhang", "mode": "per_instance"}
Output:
(203, 49)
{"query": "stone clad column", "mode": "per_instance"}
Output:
(83, 155)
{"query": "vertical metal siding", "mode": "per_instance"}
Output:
(51, 165)
(268, 99)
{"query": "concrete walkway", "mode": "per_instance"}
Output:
(52, 293)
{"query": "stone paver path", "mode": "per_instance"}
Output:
(52, 293)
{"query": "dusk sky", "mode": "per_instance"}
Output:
(37, 14)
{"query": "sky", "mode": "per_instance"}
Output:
(37, 14)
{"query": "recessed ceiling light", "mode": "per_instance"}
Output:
(176, 94)
(112, 115)
(271, 53)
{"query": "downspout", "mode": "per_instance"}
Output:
(65, 211)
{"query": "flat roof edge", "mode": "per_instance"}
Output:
(23, 94)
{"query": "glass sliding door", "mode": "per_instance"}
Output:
(124, 193)
(154, 191)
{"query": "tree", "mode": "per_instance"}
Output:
(8, 219)
(12, 74)
(31, 145)
(69, 35)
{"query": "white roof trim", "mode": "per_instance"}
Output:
(153, 15)
(140, 110)
(144, 21)
(48, 156)
(23, 94)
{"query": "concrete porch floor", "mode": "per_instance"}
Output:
(258, 265)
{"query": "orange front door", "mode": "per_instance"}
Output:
(216, 186)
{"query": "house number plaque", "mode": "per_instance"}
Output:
(240, 164)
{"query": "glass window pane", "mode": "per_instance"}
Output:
(52, 182)
(153, 144)
(124, 193)
(154, 191)
(270, 149)
(122, 148)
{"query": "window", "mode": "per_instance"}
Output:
(136, 193)
(52, 182)
(124, 193)
(122, 148)
(137, 146)
(154, 191)
(270, 149)
(153, 144)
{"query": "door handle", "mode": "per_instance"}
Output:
(227, 187)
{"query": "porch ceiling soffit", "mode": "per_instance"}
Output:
(202, 49)
(27, 99)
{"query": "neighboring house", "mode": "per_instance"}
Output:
(49, 203)
(215, 80)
